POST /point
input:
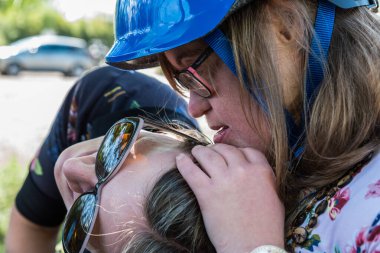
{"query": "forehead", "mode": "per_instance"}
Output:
(191, 49)
(153, 152)
(123, 197)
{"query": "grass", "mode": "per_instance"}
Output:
(12, 175)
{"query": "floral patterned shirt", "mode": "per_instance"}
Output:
(351, 222)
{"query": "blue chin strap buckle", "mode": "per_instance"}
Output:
(320, 44)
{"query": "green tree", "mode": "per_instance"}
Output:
(20, 19)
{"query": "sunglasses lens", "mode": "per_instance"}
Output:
(190, 82)
(79, 223)
(113, 148)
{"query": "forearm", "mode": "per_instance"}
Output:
(25, 236)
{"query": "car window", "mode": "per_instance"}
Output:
(59, 49)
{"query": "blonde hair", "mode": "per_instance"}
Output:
(344, 121)
(175, 223)
(171, 212)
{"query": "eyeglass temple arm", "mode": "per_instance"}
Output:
(166, 128)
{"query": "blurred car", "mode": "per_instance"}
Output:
(46, 53)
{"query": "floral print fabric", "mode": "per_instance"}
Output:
(351, 223)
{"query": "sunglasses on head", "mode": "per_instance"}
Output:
(114, 149)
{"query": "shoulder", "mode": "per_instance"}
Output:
(350, 218)
(104, 77)
(101, 77)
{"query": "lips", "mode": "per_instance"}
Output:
(220, 135)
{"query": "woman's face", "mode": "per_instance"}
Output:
(224, 108)
(120, 213)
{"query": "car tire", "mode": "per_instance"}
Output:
(77, 70)
(12, 69)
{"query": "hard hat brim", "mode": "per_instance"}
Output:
(145, 28)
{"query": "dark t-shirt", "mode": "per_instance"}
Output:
(94, 103)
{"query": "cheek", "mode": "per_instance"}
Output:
(227, 101)
(240, 113)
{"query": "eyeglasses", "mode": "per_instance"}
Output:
(189, 79)
(111, 154)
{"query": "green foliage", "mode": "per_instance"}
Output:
(19, 19)
(11, 178)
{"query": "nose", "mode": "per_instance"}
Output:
(80, 173)
(198, 106)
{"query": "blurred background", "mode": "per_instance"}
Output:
(77, 34)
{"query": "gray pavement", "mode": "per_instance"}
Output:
(28, 105)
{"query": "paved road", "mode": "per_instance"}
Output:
(28, 105)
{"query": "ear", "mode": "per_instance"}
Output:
(283, 18)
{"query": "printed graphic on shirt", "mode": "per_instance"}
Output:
(374, 190)
(312, 242)
(134, 105)
(36, 167)
(367, 240)
(337, 203)
(73, 115)
(113, 94)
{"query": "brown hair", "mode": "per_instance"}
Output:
(344, 121)
(174, 220)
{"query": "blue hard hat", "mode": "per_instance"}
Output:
(144, 28)
(148, 27)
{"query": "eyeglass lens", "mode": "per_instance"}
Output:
(189, 82)
(113, 149)
(79, 223)
(189, 79)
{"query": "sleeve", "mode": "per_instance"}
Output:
(39, 199)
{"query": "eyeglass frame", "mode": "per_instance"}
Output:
(192, 72)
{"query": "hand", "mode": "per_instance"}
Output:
(237, 196)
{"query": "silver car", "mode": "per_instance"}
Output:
(46, 53)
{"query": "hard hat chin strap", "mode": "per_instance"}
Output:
(317, 63)
(222, 47)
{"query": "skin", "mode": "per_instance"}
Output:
(236, 186)
(34, 238)
(222, 109)
(120, 211)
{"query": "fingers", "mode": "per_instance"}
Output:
(217, 159)
(253, 155)
(232, 155)
(210, 160)
(258, 160)
(240, 182)
(194, 176)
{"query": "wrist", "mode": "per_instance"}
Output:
(268, 249)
